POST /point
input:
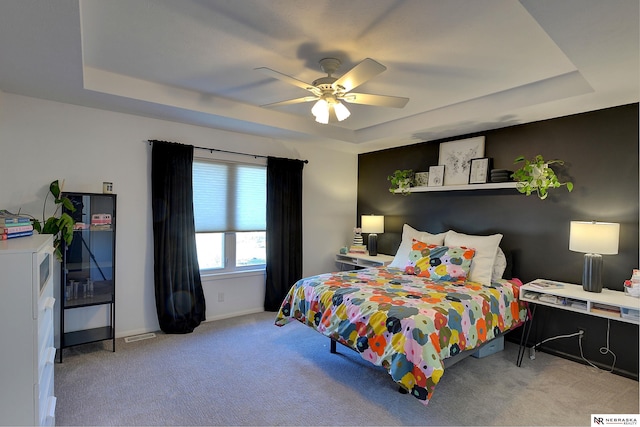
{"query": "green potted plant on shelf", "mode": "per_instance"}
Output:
(401, 180)
(58, 224)
(536, 176)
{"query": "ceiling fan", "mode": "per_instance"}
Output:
(329, 91)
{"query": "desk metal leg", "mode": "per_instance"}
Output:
(524, 338)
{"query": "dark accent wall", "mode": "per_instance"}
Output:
(600, 150)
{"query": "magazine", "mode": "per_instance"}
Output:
(545, 284)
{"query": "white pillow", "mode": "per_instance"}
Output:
(408, 234)
(499, 266)
(486, 249)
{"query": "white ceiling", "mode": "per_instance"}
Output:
(466, 65)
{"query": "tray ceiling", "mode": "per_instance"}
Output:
(466, 65)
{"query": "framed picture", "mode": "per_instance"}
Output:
(421, 179)
(456, 157)
(436, 175)
(479, 170)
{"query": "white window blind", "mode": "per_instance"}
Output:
(229, 196)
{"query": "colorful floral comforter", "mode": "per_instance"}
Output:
(406, 323)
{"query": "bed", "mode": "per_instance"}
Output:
(413, 314)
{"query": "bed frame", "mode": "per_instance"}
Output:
(448, 362)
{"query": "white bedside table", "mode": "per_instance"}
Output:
(349, 260)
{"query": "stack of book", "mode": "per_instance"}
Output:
(101, 221)
(357, 249)
(501, 175)
(609, 310)
(13, 226)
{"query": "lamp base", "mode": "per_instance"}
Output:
(592, 273)
(373, 244)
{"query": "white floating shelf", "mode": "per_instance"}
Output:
(488, 186)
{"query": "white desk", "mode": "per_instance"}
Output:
(362, 260)
(570, 292)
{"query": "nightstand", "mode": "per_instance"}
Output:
(350, 260)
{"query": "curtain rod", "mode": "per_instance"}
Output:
(211, 150)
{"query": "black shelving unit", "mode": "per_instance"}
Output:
(88, 268)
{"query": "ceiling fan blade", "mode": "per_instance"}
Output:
(292, 101)
(377, 100)
(359, 74)
(288, 79)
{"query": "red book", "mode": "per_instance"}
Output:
(16, 229)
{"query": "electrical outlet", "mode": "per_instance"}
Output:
(220, 296)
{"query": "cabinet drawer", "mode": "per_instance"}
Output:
(46, 350)
(45, 312)
(45, 339)
(45, 391)
(48, 416)
(46, 305)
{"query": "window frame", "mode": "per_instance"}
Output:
(229, 241)
(229, 260)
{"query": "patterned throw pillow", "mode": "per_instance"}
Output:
(450, 263)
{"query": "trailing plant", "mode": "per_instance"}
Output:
(61, 226)
(536, 176)
(401, 180)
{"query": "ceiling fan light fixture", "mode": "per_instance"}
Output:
(329, 90)
(321, 111)
(323, 118)
(320, 107)
(341, 111)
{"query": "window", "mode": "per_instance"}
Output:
(229, 202)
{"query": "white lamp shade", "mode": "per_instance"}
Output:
(594, 237)
(341, 111)
(321, 111)
(372, 223)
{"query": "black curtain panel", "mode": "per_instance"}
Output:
(284, 229)
(180, 300)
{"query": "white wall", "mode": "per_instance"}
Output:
(41, 141)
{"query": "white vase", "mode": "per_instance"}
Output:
(404, 184)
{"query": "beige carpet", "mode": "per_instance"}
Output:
(246, 371)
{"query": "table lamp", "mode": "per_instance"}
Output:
(373, 224)
(594, 239)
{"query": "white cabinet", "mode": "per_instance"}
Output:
(26, 315)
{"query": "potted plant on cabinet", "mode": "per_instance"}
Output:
(61, 226)
(401, 180)
(536, 176)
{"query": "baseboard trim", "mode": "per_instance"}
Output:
(123, 334)
(236, 314)
(574, 358)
